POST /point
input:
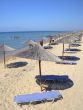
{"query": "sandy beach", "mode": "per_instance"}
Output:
(21, 80)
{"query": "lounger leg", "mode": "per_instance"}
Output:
(60, 97)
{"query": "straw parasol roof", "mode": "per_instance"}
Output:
(36, 52)
(66, 40)
(5, 48)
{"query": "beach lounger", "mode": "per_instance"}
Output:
(75, 45)
(53, 43)
(71, 50)
(48, 47)
(67, 62)
(37, 97)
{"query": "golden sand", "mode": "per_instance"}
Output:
(15, 81)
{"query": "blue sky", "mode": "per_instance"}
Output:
(37, 15)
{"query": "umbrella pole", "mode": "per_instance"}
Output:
(69, 46)
(40, 67)
(40, 73)
(41, 42)
(63, 50)
(4, 59)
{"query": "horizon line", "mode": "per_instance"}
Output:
(42, 31)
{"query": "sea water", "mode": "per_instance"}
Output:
(16, 39)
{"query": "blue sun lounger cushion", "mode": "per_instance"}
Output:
(67, 62)
(37, 97)
(71, 50)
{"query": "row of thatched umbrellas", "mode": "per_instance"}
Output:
(32, 51)
(36, 52)
(63, 39)
(67, 39)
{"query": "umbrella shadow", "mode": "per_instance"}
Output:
(17, 64)
(56, 84)
(60, 85)
(69, 58)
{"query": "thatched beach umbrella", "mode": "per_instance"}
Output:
(44, 40)
(36, 52)
(70, 39)
(50, 37)
(4, 48)
(66, 40)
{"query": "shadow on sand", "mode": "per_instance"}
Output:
(17, 64)
(58, 83)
